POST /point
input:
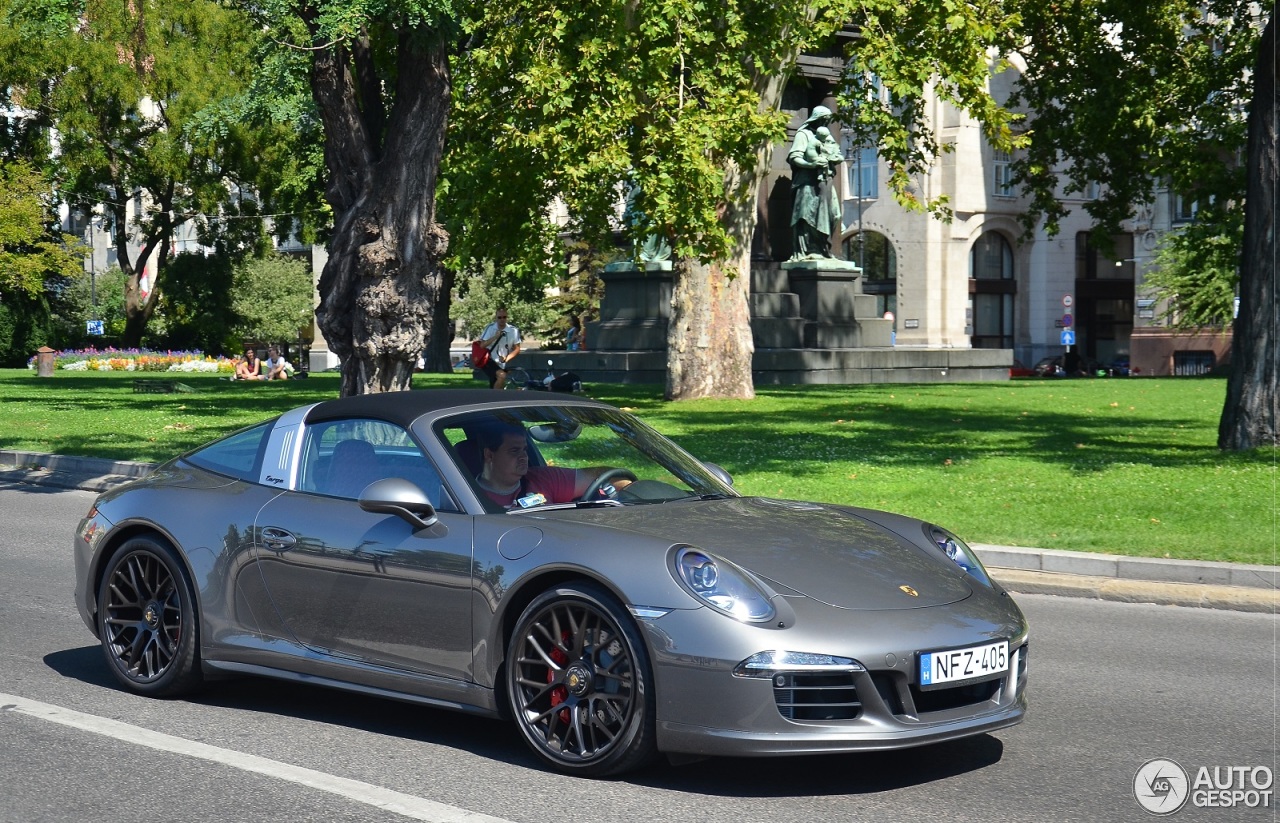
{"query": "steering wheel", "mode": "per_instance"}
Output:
(596, 490)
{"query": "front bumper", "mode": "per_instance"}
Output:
(699, 740)
(703, 709)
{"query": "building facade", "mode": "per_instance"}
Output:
(980, 281)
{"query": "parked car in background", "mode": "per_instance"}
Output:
(1019, 369)
(1049, 367)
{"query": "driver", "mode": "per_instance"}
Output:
(506, 477)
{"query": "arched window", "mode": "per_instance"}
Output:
(874, 253)
(991, 258)
(992, 288)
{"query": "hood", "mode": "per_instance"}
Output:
(826, 553)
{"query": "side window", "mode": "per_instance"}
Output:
(341, 457)
(238, 455)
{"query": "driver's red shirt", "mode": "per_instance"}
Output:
(552, 483)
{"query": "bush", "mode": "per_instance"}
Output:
(24, 327)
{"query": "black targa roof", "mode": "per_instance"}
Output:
(403, 407)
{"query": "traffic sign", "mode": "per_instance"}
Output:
(1067, 301)
(1068, 337)
(1067, 320)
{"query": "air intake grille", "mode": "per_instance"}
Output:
(815, 696)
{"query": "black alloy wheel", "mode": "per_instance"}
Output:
(579, 682)
(146, 620)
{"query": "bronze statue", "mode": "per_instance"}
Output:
(815, 212)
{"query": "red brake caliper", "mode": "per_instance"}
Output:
(559, 693)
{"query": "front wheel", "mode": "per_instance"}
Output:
(579, 682)
(146, 620)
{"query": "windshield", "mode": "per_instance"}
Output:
(533, 457)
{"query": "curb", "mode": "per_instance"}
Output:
(64, 472)
(1195, 595)
(1197, 584)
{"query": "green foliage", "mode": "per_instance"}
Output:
(583, 102)
(578, 101)
(31, 250)
(76, 305)
(24, 323)
(1135, 95)
(273, 298)
(578, 292)
(1196, 271)
(134, 93)
(480, 292)
(196, 301)
(904, 49)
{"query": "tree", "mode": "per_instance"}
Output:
(682, 102)
(1135, 95)
(197, 302)
(127, 87)
(273, 298)
(36, 261)
(1196, 269)
(380, 82)
(98, 298)
(1249, 414)
(31, 248)
(490, 288)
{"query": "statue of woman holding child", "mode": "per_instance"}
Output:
(815, 212)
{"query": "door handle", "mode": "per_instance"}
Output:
(278, 539)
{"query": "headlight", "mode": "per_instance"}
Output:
(722, 585)
(956, 549)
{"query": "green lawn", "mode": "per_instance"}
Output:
(1125, 466)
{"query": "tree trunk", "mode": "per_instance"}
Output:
(436, 357)
(137, 307)
(1249, 414)
(709, 344)
(384, 274)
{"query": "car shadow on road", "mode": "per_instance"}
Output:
(827, 774)
(85, 664)
(482, 736)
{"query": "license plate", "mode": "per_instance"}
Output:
(970, 663)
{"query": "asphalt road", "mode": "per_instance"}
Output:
(1113, 686)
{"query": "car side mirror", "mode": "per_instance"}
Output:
(721, 475)
(395, 495)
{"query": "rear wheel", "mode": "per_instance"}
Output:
(146, 619)
(517, 379)
(579, 682)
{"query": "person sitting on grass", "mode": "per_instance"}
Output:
(277, 367)
(248, 368)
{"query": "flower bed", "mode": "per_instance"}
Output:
(137, 360)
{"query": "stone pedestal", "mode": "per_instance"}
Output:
(837, 314)
(635, 308)
(805, 304)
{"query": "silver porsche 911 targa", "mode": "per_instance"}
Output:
(554, 560)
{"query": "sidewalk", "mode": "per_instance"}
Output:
(1233, 586)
